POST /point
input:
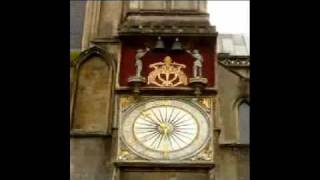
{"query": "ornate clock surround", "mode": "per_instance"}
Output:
(145, 73)
(201, 152)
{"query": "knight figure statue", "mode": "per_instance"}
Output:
(197, 64)
(139, 55)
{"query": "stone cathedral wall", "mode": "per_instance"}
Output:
(93, 75)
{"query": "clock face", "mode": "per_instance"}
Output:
(165, 129)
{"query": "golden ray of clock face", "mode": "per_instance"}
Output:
(165, 129)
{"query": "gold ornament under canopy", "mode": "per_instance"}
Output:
(167, 73)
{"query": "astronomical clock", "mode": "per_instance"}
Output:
(162, 128)
(165, 110)
(146, 94)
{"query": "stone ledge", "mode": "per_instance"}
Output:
(106, 40)
(181, 164)
(161, 12)
(167, 28)
(86, 133)
(174, 91)
(234, 145)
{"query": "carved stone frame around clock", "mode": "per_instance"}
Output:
(205, 158)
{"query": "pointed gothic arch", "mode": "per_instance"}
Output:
(242, 110)
(92, 92)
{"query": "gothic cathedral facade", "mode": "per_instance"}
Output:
(154, 96)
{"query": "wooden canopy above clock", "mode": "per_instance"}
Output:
(154, 59)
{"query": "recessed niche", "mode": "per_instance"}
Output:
(93, 96)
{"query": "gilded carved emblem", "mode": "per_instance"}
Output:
(126, 155)
(167, 74)
(126, 101)
(205, 155)
(205, 102)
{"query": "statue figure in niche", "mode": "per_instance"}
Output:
(139, 55)
(197, 64)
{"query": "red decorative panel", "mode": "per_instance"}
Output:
(206, 46)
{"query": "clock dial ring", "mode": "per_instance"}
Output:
(200, 117)
(177, 124)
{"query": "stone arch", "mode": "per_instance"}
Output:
(242, 110)
(92, 92)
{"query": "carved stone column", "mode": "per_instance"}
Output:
(91, 23)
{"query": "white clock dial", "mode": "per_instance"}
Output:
(165, 129)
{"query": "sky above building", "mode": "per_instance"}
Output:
(230, 17)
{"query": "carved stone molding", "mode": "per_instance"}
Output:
(169, 28)
(239, 65)
(234, 61)
(194, 6)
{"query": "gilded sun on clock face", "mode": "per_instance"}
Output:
(165, 129)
